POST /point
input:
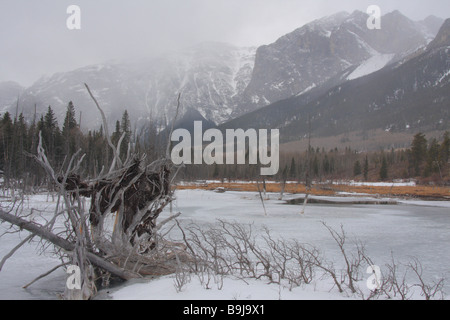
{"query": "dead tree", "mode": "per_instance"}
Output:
(132, 194)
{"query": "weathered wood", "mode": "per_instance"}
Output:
(45, 234)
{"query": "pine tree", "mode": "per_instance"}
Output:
(432, 161)
(216, 171)
(69, 121)
(357, 168)
(366, 168)
(316, 166)
(326, 165)
(6, 136)
(418, 152)
(50, 121)
(444, 151)
(51, 136)
(70, 131)
(125, 127)
(21, 133)
(293, 169)
(116, 134)
(384, 169)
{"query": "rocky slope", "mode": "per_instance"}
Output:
(410, 95)
(223, 82)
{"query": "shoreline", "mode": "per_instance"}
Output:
(430, 193)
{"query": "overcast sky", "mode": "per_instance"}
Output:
(35, 41)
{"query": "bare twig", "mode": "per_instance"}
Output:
(169, 142)
(45, 274)
(108, 137)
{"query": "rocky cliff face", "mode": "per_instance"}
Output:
(410, 95)
(317, 52)
(443, 37)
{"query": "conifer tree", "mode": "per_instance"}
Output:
(20, 130)
(432, 160)
(384, 169)
(70, 131)
(293, 169)
(357, 168)
(6, 127)
(366, 168)
(125, 127)
(444, 151)
(69, 121)
(418, 152)
(51, 136)
(116, 134)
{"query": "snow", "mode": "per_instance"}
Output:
(363, 44)
(412, 228)
(27, 264)
(255, 99)
(307, 89)
(377, 184)
(373, 64)
(220, 289)
(445, 74)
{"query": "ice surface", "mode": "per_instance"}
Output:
(412, 228)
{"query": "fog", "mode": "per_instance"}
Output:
(35, 40)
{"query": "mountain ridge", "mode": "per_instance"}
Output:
(224, 82)
(408, 96)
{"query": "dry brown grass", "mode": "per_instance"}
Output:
(429, 192)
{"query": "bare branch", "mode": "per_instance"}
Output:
(44, 275)
(105, 126)
(169, 142)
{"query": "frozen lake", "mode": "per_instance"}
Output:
(417, 229)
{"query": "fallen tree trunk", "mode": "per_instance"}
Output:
(45, 234)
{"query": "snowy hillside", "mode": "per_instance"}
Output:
(403, 96)
(374, 63)
(316, 53)
(209, 76)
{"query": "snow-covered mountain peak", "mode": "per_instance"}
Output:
(209, 76)
(221, 81)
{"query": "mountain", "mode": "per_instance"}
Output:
(431, 25)
(209, 76)
(313, 54)
(223, 82)
(443, 37)
(410, 95)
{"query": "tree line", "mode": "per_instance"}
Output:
(425, 160)
(19, 140)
